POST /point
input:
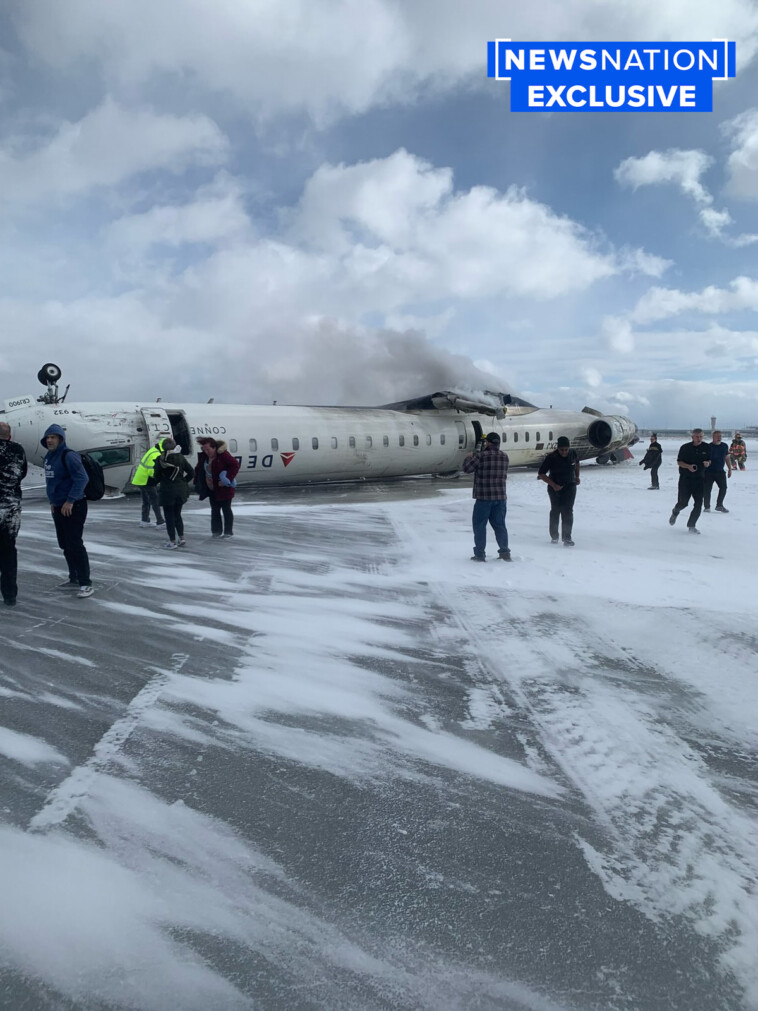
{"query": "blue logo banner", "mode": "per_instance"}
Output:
(611, 76)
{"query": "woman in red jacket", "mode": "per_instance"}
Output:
(216, 469)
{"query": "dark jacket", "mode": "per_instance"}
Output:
(697, 455)
(561, 469)
(222, 461)
(490, 470)
(65, 480)
(12, 473)
(172, 474)
(653, 456)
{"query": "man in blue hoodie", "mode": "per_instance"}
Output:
(66, 480)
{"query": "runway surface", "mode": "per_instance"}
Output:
(332, 764)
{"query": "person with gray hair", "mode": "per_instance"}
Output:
(13, 468)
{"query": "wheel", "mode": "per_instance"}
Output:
(49, 374)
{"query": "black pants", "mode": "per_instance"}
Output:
(717, 477)
(690, 487)
(8, 564)
(149, 495)
(69, 530)
(654, 474)
(174, 521)
(562, 505)
(217, 508)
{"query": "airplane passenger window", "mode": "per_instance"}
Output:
(275, 444)
(505, 437)
(295, 442)
(253, 445)
(550, 434)
(314, 442)
(428, 440)
(401, 440)
(526, 436)
(334, 443)
(351, 442)
(442, 438)
(515, 436)
(369, 442)
(537, 436)
(385, 440)
(415, 440)
(232, 445)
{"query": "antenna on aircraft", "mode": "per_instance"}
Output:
(49, 375)
(210, 400)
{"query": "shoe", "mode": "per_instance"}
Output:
(170, 546)
(216, 536)
(721, 509)
(86, 591)
(693, 530)
(505, 556)
(672, 519)
(145, 523)
(476, 558)
(9, 601)
(227, 536)
(654, 487)
(554, 540)
(707, 509)
(181, 543)
(68, 584)
(161, 525)
(568, 542)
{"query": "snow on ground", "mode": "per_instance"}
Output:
(334, 764)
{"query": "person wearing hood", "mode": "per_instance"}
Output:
(215, 473)
(12, 473)
(172, 474)
(65, 481)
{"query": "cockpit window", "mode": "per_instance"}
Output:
(115, 456)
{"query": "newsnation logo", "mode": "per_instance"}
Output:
(603, 76)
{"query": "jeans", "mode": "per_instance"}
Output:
(217, 508)
(562, 507)
(149, 495)
(717, 477)
(174, 521)
(493, 512)
(8, 564)
(69, 530)
(654, 474)
(690, 487)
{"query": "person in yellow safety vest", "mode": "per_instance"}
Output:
(144, 479)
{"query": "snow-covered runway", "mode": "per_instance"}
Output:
(331, 763)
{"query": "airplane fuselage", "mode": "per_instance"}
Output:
(281, 445)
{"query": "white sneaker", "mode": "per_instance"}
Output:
(145, 523)
(161, 525)
(181, 543)
(86, 591)
(170, 546)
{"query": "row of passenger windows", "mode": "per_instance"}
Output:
(365, 442)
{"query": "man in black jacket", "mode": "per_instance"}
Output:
(560, 472)
(12, 473)
(693, 459)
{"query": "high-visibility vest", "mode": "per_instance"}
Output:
(146, 468)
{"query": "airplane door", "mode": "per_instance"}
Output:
(462, 435)
(157, 424)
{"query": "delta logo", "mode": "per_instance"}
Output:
(287, 458)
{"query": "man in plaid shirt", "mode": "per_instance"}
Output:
(490, 470)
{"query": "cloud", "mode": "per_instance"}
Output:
(272, 58)
(743, 161)
(664, 303)
(103, 149)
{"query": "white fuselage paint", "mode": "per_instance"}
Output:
(300, 445)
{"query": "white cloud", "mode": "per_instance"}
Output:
(273, 57)
(107, 146)
(743, 161)
(664, 303)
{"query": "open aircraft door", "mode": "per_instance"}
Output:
(462, 435)
(157, 424)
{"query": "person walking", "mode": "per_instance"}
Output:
(716, 475)
(693, 460)
(738, 452)
(217, 469)
(144, 479)
(652, 460)
(13, 468)
(490, 469)
(560, 472)
(172, 474)
(65, 481)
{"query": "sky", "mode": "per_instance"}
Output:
(331, 763)
(331, 203)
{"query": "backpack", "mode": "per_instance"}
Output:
(95, 477)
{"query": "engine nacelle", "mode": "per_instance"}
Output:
(611, 432)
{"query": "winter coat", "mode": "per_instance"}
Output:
(172, 474)
(12, 473)
(222, 461)
(65, 480)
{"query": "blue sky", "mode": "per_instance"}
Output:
(329, 202)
